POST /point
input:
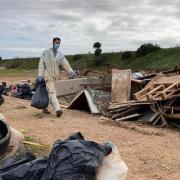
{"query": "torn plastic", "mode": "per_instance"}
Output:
(112, 168)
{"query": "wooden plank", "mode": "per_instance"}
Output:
(172, 116)
(128, 117)
(175, 108)
(164, 72)
(121, 85)
(121, 105)
(137, 81)
(157, 119)
(118, 110)
(127, 112)
(163, 93)
(141, 93)
(152, 119)
(149, 95)
(170, 94)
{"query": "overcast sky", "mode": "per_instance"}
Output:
(27, 26)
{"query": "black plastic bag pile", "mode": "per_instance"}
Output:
(1, 92)
(72, 159)
(24, 91)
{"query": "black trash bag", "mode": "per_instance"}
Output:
(28, 168)
(1, 97)
(24, 91)
(1, 100)
(72, 159)
(3, 89)
(40, 99)
(75, 159)
(32, 170)
(12, 163)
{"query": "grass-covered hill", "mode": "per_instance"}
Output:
(161, 60)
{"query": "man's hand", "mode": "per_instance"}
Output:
(73, 74)
(39, 79)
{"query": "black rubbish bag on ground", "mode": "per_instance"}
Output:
(72, 159)
(75, 159)
(1, 100)
(40, 98)
(1, 97)
(24, 91)
(32, 170)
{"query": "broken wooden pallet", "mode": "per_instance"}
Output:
(157, 91)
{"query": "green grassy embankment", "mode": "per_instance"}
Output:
(161, 60)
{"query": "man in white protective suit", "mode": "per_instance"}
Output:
(49, 70)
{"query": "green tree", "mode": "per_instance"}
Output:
(98, 50)
(126, 55)
(0, 58)
(97, 45)
(146, 48)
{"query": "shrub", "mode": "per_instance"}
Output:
(98, 52)
(146, 48)
(127, 55)
(100, 60)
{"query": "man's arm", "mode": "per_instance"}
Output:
(65, 64)
(41, 66)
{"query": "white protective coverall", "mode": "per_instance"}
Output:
(49, 69)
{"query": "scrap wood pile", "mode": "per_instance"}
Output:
(124, 95)
(153, 98)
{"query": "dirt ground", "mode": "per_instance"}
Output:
(151, 153)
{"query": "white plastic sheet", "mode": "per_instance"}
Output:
(112, 168)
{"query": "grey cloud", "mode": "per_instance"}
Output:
(118, 24)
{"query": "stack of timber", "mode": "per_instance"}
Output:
(156, 100)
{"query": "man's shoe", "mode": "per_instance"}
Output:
(46, 111)
(59, 113)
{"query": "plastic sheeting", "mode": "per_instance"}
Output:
(112, 167)
(71, 159)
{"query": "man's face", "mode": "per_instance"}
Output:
(57, 42)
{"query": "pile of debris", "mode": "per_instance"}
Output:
(152, 98)
(23, 90)
(73, 158)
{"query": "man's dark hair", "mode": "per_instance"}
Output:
(56, 38)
